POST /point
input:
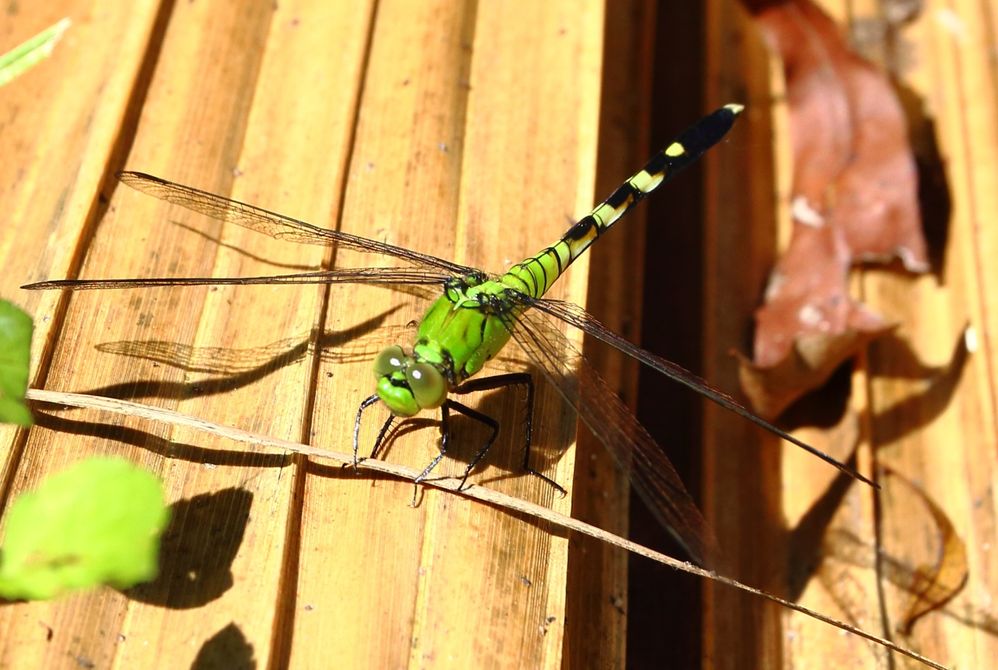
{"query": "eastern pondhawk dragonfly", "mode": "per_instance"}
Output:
(476, 316)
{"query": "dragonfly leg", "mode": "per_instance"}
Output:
(512, 379)
(444, 436)
(381, 434)
(471, 414)
(356, 429)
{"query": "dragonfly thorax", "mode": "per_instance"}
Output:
(407, 384)
(474, 291)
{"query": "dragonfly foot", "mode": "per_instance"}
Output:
(356, 462)
(555, 485)
(464, 481)
(415, 492)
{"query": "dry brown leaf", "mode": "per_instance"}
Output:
(929, 585)
(854, 200)
(934, 585)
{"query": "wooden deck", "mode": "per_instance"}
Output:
(437, 126)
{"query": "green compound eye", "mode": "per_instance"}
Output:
(388, 361)
(427, 384)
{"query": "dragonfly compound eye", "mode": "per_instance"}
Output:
(388, 361)
(427, 384)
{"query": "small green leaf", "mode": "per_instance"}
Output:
(97, 522)
(31, 52)
(15, 348)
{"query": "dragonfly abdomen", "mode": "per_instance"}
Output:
(535, 275)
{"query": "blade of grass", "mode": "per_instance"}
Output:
(31, 52)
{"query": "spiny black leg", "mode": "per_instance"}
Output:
(356, 427)
(477, 416)
(381, 434)
(444, 435)
(514, 379)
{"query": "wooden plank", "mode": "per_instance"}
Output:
(444, 124)
(821, 538)
(739, 463)
(53, 159)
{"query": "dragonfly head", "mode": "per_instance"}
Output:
(406, 385)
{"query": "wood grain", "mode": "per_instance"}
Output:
(463, 129)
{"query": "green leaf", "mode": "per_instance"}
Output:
(15, 348)
(97, 522)
(16, 61)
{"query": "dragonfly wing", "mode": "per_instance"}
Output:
(635, 451)
(379, 276)
(586, 322)
(275, 225)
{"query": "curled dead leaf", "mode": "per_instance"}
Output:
(854, 200)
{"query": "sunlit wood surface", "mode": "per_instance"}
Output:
(423, 124)
(474, 131)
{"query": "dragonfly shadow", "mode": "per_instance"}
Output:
(233, 369)
(242, 252)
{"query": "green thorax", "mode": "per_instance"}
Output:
(465, 327)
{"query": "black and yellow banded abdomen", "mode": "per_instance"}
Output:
(535, 275)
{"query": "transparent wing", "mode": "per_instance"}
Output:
(380, 276)
(636, 453)
(275, 225)
(586, 322)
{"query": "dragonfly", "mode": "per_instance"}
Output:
(478, 313)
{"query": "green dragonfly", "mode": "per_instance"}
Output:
(478, 313)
